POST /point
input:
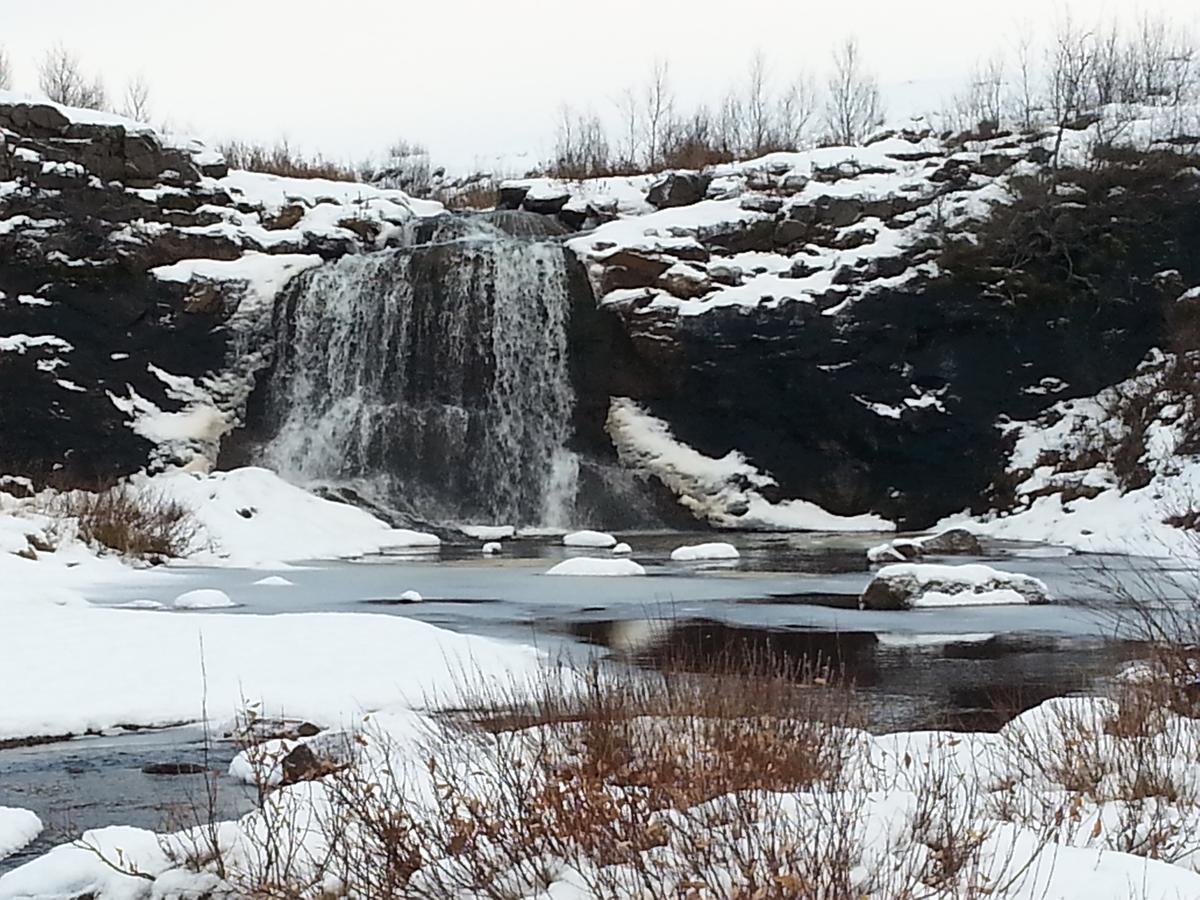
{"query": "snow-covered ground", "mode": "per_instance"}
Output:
(1069, 489)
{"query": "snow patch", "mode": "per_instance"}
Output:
(587, 566)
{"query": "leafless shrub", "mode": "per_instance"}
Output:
(6, 80)
(135, 522)
(282, 159)
(61, 78)
(136, 103)
(853, 105)
(406, 166)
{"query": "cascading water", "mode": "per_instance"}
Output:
(435, 377)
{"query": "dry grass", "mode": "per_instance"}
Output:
(282, 159)
(135, 522)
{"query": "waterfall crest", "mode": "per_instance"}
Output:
(433, 378)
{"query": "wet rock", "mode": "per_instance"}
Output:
(678, 189)
(547, 204)
(512, 196)
(173, 768)
(955, 541)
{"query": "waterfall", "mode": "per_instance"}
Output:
(434, 378)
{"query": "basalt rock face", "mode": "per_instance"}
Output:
(71, 268)
(862, 333)
(97, 351)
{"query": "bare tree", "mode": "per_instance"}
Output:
(853, 106)
(757, 105)
(62, 80)
(5, 70)
(1024, 98)
(659, 110)
(136, 105)
(794, 111)
(631, 126)
(581, 148)
(1069, 65)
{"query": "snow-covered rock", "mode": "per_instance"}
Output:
(715, 550)
(594, 539)
(918, 586)
(205, 598)
(587, 566)
(952, 542)
(274, 581)
(622, 549)
(492, 548)
(489, 532)
(412, 597)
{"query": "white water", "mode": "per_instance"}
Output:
(439, 373)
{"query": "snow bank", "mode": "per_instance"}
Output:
(705, 551)
(205, 598)
(324, 667)
(18, 829)
(253, 518)
(583, 565)
(589, 539)
(724, 492)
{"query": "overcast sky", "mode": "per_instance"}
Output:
(475, 78)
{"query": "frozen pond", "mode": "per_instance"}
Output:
(791, 594)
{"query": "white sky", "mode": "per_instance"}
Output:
(478, 79)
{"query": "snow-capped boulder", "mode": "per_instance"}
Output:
(953, 542)
(205, 598)
(595, 539)
(587, 566)
(412, 597)
(715, 550)
(274, 581)
(492, 548)
(622, 549)
(919, 586)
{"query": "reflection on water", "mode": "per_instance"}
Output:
(958, 682)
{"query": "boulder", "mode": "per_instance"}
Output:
(317, 757)
(288, 217)
(678, 189)
(953, 542)
(631, 269)
(511, 196)
(547, 203)
(923, 586)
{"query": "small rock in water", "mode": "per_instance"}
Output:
(622, 550)
(206, 598)
(411, 597)
(589, 539)
(172, 769)
(492, 549)
(717, 550)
